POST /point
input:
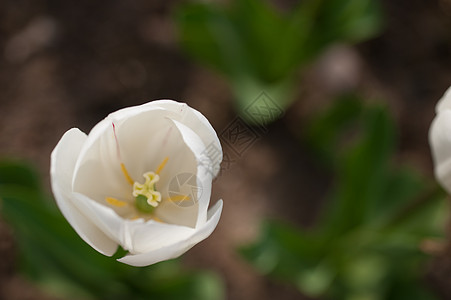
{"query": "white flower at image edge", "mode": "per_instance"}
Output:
(112, 185)
(440, 140)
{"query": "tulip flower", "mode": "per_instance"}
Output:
(440, 140)
(141, 179)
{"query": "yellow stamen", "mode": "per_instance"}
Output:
(157, 219)
(179, 198)
(126, 174)
(147, 189)
(115, 202)
(161, 166)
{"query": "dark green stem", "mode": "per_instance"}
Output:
(432, 194)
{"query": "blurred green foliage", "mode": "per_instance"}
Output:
(259, 48)
(54, 256)
(367, 243)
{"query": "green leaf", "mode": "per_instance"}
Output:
(282, 250)
(349, 20)
(251, 38)
(361, 172)
(207, 33)
(367, 244)
(327, 129)
(259, 48)
(18, 173)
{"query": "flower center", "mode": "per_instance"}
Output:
(146, 195)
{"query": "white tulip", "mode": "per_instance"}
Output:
(114, 184)
(440, 140)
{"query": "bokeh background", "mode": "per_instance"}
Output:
(68, 64)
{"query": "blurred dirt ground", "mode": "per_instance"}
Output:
(68, 64)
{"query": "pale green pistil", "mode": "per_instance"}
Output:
(146, 196)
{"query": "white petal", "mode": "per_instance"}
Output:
(200, 125)
(204, 172)
(205, 181)
(171, 212)
(63, 161)
(440, 140)
(136, 236)
(144, 140)
(176, 249)
(95, 177)
(445, 102)
(151, 235)
(103, 217)
(147, 139)
(193, 214)
(143, 137)
(161, 139)
(98, 172)
(143, 133)
(186, 115)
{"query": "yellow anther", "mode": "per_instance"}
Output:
(126, 174)
(148, 189)
(161, 166)
(157, 219)
(115, 202)
(179, 198)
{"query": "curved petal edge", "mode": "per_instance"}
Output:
(177, 249)
(63, 160)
